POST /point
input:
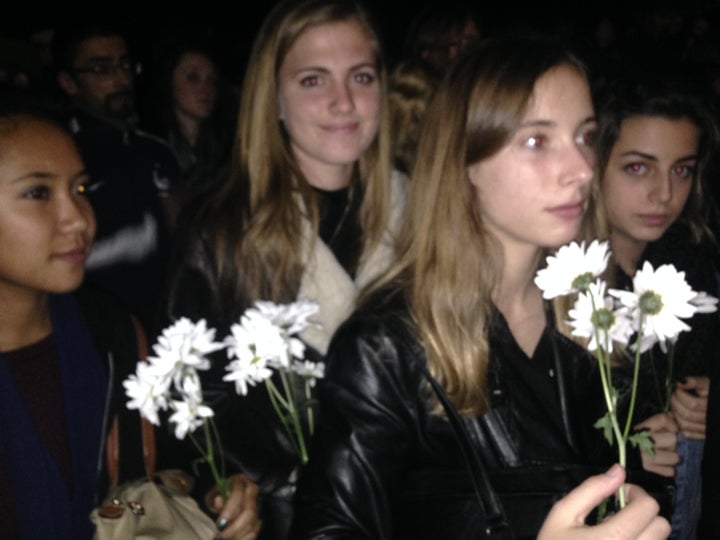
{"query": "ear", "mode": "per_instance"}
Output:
(473, 172)
(67, 83)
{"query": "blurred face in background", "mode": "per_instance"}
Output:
(194, 86)
(103, 77)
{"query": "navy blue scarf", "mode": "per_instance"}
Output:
(44, 507)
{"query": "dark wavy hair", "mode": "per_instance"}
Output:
(673, 93)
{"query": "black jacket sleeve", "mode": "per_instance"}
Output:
(366, 439)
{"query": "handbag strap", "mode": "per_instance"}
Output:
(112, 444)
(497, 523)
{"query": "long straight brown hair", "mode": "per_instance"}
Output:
(449, 263)
(254, 221)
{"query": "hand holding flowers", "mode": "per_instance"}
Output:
(653, 312)
(263, 342)
(170, 380)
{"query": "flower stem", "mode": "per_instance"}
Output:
(288, 381)
(310, 416)
(669, 377)
(613, 419)
(636, 376)
(275, 396)
(208, 455)
(606, 379)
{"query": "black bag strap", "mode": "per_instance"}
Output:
(497, 523)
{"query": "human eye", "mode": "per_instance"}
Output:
(82, 188)
(193, 77)
(101, 68)
(37, 193)
(310, 81)
(635, 168)
(365, 78)
(685, 172)
(535, 142)
(586, 137)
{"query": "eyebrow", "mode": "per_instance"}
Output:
(43, 175)
(651, 157)
(552, 123)
(321, 69)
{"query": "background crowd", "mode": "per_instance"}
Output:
(155, 107)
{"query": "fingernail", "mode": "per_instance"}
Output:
(614, 471)
(221, 524)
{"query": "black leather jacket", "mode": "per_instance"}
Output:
(377, 427)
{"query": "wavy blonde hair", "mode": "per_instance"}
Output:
(254, 221)
(449, 264)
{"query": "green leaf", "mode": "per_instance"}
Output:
(644, 441)
(605, 423)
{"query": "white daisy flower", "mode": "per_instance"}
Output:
(662, 298)
(188, 416)
(255, 336)
(572, 269)
(247, 372)
(310, 370)
(595, 318)
(147, 393)
(293, 318)
(704, 303)
(183, 344)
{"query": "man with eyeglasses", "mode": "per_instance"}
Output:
(132, 172)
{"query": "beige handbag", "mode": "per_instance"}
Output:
(157, 507)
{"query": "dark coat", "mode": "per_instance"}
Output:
(378, 428)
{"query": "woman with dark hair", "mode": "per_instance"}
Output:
(657, 140)
(503, 173)
(308, 210)
(64, 349)
(190, 107)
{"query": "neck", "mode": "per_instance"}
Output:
(518, 298)
(327, 176)
(626, 252)
(189, 127)
(23, 320)
(517, 283)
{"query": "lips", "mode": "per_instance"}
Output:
(72, 256)
(568, 211)
(654, 220)
(341, 129)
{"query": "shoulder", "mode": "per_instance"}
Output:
(158, 144)
(110, 324)
(377, 343)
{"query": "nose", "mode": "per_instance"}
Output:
(343, 100)
(661, 190)
(122, 78)
(75, 215)
(579, 163)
